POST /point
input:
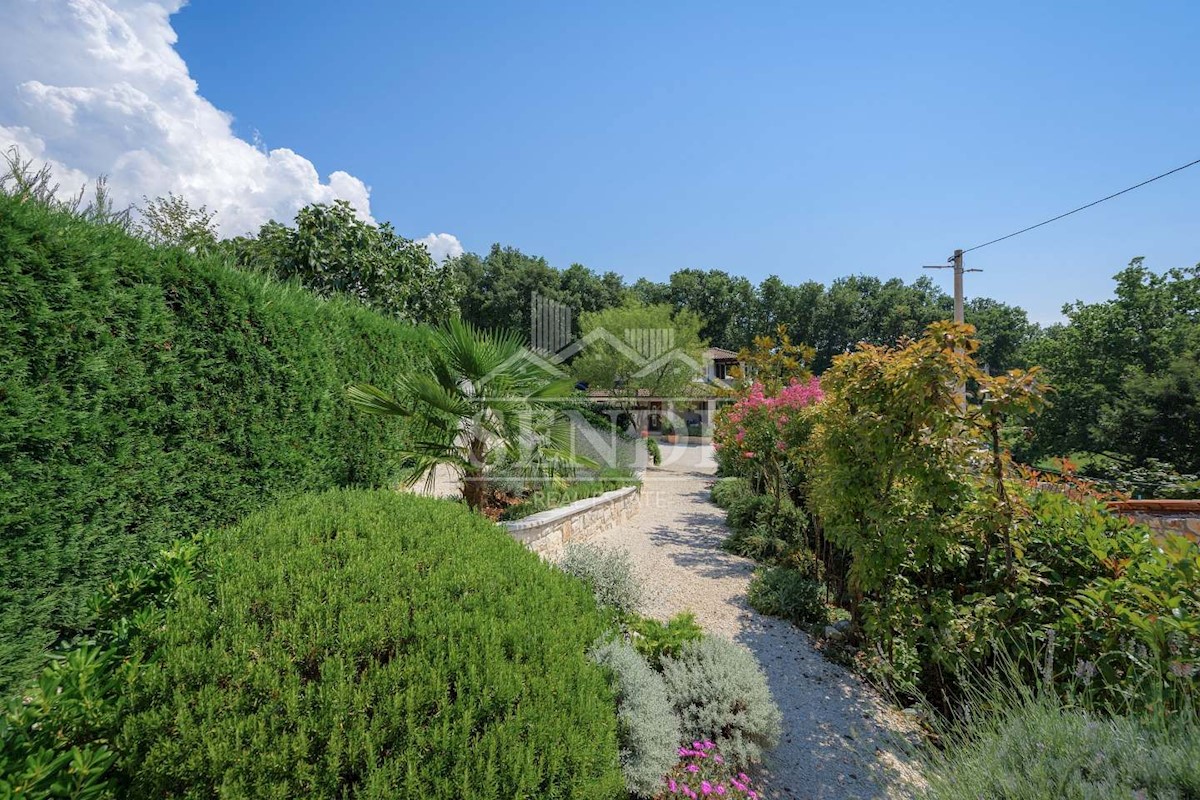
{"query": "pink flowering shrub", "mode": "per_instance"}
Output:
(761, 437)
(703, 772)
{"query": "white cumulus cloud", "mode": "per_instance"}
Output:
(442, 246)
(95, 87)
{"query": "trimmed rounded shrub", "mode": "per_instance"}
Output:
(785, 593)
(365, 644)
(720, 694)
(726, 490)
(647, 726)
(608, 573)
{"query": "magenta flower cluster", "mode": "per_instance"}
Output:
(757, 421)
(702, 772)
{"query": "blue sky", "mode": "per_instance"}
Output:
(806, 140)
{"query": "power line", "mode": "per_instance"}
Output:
(1081, 208)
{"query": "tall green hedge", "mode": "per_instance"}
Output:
(146, 393)
(371, 644)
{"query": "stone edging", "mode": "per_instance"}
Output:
(546, 532)
(1163, 516)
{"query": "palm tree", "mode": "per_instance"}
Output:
(487, 400)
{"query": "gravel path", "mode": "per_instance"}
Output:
(840, 740)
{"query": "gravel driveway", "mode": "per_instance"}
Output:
(839, 740)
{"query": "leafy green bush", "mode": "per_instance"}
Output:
(145, 392)
(608, 573)
(648, 730)
(726, 491)
(1039, 749)
(654, 451)
(721, 694)
(763, 528)
(745, 511)
(1154, 479)
(579, 488)
(56, 735)
(654, 639)
(371, 645)
(756, 543)
(331, 251)
(785, 593)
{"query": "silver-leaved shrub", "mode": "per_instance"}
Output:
(720, 694)
(647, 728)
(609, 574)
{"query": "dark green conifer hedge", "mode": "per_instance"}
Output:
(147, 393)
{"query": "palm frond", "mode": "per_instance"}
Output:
(373, 400)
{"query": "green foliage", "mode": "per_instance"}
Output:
(637, 367)
(1004, 333)
(333, 252)
(170, 221)
(1154, 479)
(654, 451)
(773, 362)
(1126, 372)
(1155, 415)
(746, 510)
(655, 640)
(487, 406)
(371, 645)
(1034, 748)
(498, 288)
(721, 694)
(893, 471)
(581, 488)
(56, 736)
(145, 392)
(764, 528)
(724, 302)
(949, 556)
(727, 491)
(608, 573)
(785, 593)
(648, 730)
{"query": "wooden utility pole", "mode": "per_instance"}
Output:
(958, 287)
(955, 262)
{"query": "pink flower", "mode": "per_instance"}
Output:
(748, 454)
(705, 788)
(717, 758)
(672, 785)
(720, 789)
(692, 768)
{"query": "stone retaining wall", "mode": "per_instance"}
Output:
(547, 532)
(1167, 516)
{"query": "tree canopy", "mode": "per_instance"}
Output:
(1127, 371)
(331, 251)
(637, 348)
